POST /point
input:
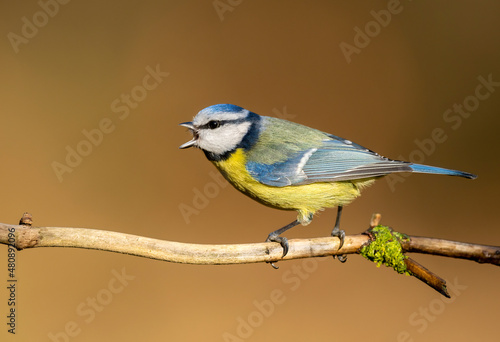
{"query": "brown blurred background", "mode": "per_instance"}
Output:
(279, 58)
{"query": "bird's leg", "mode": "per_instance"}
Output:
(283, 241)
(336, 229)
(337, 232)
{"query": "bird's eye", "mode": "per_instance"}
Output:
(213, 124)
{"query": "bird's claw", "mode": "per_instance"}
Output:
(342, 258)
(283, 241)
(336, 232)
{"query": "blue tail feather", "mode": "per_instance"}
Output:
(440, 171)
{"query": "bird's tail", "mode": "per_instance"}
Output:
(440, 171)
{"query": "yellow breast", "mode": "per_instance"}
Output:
(306, 199)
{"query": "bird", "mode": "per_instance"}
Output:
(289, 166)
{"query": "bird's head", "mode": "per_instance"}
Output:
(220, 129)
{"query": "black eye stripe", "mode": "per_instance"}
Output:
(213, 124)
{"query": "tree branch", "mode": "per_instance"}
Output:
(24, 236)
(202, 254)
(454, 249)
(186, 253)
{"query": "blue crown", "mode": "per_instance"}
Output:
(225, 108)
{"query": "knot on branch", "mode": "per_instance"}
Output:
(26, 220)
(27, 237)
(385, 248)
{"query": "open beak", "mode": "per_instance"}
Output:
(191, 142)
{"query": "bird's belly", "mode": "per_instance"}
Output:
(307, 199)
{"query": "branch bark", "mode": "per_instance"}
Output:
(201, 254)
(186, 253)
(24, 236)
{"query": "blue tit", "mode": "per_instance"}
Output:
(288, 166)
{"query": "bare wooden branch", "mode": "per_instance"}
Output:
(375, 220)
(187, 253)
(200, 254)
(423, 274)
(453, 249)
(24, 236)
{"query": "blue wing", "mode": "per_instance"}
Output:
(336, 159)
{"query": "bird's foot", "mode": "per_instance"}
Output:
(342, 258)
(283, 241)
(337, 232)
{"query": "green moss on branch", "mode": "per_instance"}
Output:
(385, 248)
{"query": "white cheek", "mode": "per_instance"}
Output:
(223, 139)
